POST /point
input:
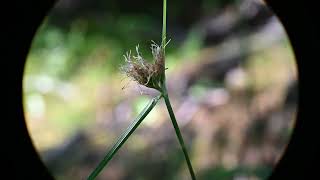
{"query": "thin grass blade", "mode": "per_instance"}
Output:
(177, 130)
(132, 127)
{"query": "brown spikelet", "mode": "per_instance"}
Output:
(143, 72)
(158, 56)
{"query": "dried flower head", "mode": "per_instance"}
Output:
(148, 74)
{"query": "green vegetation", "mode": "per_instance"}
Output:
(72, 86)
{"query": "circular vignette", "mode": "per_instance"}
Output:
(298, 160)
(20, 23)
(21, 158)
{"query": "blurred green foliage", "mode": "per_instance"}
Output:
(72, 72)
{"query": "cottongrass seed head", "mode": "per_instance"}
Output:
(148, 74)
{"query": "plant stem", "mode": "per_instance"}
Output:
(166, 97)
(124, 137)
(164, 24)
(177, 130)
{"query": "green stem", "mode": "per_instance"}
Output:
(164, 24)
(124, 137)
(177, 130)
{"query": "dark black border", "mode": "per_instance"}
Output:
(300, 21)
(19, 23)
(20, 20)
